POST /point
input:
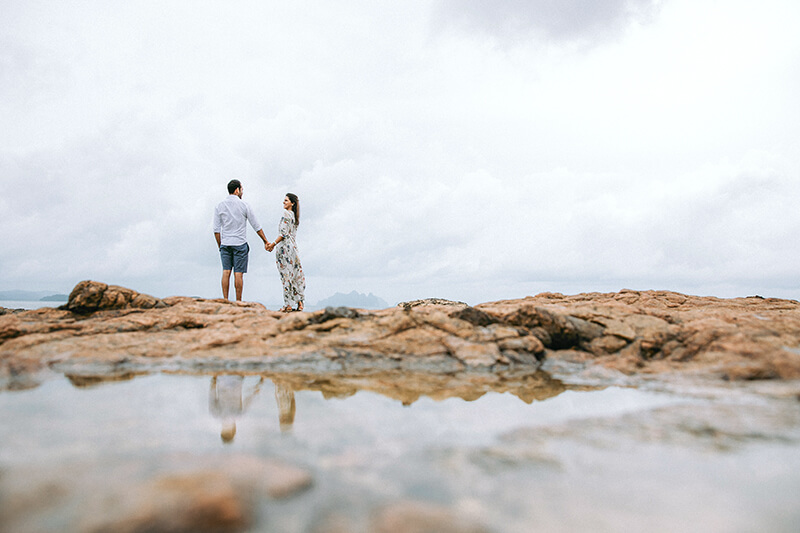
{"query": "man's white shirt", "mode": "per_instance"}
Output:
(230, 220)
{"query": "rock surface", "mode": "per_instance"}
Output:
(108, 330)
(660, 331)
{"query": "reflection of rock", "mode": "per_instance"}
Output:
(707, 427)
(408, 387)
(83, 382)
(710, 427)
(118, 330)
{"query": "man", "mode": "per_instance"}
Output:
(230, 229)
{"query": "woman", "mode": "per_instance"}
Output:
(292, 277)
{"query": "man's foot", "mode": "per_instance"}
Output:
(285, 309)
(300, 306)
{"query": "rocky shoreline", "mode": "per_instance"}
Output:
(110, 331)
(675, 389)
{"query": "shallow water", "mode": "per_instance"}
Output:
(602, 459)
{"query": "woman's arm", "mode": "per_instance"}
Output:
(284, 229)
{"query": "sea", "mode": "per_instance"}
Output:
(28, 304)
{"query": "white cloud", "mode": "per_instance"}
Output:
(559, 21)
(438, 150)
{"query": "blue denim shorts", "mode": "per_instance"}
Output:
(234, 257)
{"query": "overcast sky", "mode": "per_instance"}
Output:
(461, 149)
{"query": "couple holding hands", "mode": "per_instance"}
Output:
(231, 217)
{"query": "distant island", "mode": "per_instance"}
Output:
(354, 299)
(54, 298)
(33, 296)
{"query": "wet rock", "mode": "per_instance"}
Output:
(503, 457)
(180, 492)
(334, 523)
(192, 502)
(277, 479)
(419, 517)
(408, 386)
(21, 509)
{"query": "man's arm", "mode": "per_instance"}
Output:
(263, 238)
(216, 224)
(251, 218)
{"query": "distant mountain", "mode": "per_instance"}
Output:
(26, 296)
(354, 299)
(55, 298)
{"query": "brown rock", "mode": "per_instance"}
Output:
(630, 331)
(607, 344)
(86, 294)
(90, 296)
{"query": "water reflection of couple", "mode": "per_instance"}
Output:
(231, 217)
(227, 401)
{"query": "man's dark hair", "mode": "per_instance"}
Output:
(233, 185)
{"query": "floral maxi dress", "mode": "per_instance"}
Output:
(292, 277)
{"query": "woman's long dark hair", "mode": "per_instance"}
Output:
(295, 207)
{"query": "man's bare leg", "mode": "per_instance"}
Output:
(226, 283)
(238, 283)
